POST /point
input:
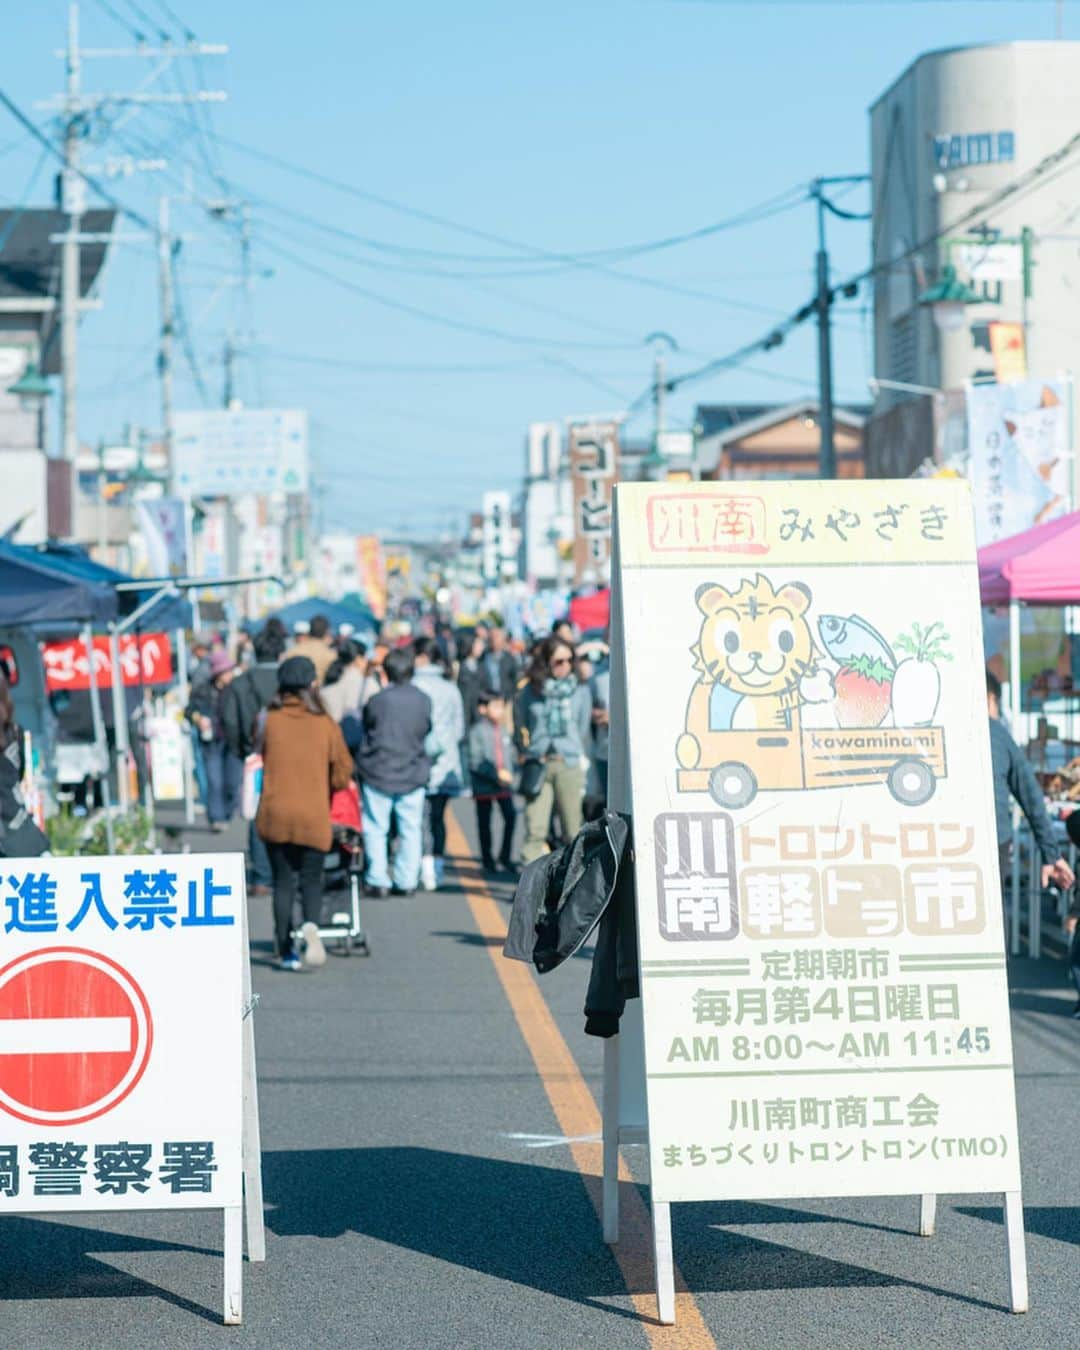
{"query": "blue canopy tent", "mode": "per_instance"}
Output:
(364, 623)
(169, 612)
(34, 592)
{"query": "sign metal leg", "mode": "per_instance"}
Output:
(1014, 890)
(251, 1137)
(927, 1215)
(664, 1262)
(610, 1128)
(234, 1265)
(1017, 1256)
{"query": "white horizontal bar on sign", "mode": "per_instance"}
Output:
(64, 1035)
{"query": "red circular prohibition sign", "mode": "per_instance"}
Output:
(75, 1036)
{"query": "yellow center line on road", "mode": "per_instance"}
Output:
(577, 1114)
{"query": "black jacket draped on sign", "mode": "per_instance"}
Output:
(563, 898)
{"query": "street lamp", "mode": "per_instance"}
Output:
(948, 300)
(31, 388)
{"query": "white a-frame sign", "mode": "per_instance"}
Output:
(124, 1084)
(800, 736)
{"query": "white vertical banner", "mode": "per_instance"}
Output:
(1020, 445)
(162, 525)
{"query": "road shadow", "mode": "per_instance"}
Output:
(468, 939)
(505, 1219)
(40, 1259)
(1031, 1000)
(533, 1225)
(1061, 1222)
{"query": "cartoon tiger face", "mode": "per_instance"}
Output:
(755, 641)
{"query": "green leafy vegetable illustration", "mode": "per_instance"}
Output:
(925, 644)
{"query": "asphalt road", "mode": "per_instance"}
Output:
(417, 1195)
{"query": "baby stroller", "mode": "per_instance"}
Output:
(343, 870)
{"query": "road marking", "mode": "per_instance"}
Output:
(64, 1035)
(550, 1140)
(577, 1114)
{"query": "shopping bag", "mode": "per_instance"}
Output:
(251, 788)
(345, 808)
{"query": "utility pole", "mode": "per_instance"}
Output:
(661, 342)
(165, 342)
(658, 397)
(1059, 19)
(823, 304)
(77, 111)
(73, 197)
(229, 359)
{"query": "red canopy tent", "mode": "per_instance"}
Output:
(591, 611)
(1039, 567)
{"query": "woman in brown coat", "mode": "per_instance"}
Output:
(304, 761)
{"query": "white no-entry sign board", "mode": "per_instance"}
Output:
(121, 1004)
(819, 913)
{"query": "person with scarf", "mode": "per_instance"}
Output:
(552, 728)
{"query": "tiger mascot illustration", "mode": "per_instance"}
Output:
(756, 659)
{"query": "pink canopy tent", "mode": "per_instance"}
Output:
(1039, 567)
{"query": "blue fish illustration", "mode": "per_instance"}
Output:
(846, 640)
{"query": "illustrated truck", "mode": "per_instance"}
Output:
(733, 766)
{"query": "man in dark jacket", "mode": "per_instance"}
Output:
(500, 666)
(394, 769)
(1013, 775)
(241, 704)
(250, 693)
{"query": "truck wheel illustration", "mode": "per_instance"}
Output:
(732, 785)
(911, 782)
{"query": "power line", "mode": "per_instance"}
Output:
(118, 18)
(784, 201)
(1007, 194)
(148, 19)
(58, 153)
(462, 325)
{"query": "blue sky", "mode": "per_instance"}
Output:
(558, 128)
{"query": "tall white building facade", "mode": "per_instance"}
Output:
(955, 129)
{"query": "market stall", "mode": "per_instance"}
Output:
(1039, 568)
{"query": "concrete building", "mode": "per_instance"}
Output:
(38, 491)
(953, 130)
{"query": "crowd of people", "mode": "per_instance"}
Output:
(413, 725)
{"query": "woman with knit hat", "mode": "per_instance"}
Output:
(304, 761)
(224, 769)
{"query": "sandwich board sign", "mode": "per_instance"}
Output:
(127, 1071)
(806, 759)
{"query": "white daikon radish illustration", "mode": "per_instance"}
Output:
(916, 686)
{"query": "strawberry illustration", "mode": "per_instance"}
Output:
(863, 692)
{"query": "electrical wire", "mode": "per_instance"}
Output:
(785, 201)
(1050, 167)
(118, 18)
(57, 152)
(152, 23)
(431, 316)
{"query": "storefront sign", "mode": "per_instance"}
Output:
(964, 150)
(146, 660)
(1008, 346)
(818, 904)
(594, 469)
